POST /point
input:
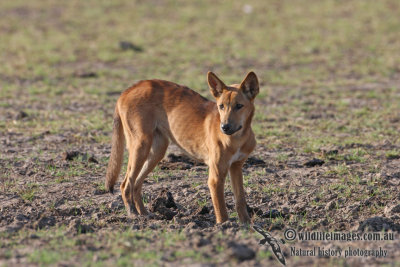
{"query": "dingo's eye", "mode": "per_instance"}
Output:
(239, 106)
(221, 107)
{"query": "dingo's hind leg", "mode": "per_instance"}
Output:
(139, 150)
(130, 208)
(157, 152)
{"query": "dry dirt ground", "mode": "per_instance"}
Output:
(56, 200)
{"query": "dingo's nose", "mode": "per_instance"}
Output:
(226, 127)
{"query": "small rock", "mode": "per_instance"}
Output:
(76, 226)
(202, 223)
(13, 227)
(254, 211)
(125, 45)
(92, 159)
(377, 224)
(135, 227)
(391, 210)
(240, 252)
(203, 242)
(278, 225)
(330, 205)
(116, 205)
(353, 209)
(175, 158)
(202, 210)
(252, 161)
(172, 158)
(154, 226)
(85, 74)
(191, 225)
(70, 155)
(285, 210)
(273, 214)
(99, 191)
(21, 115)
(393, 156)
(300, 207)
(97, 216)
(314, 116)
(21, 218)
(324, 222)
(247, 9)
(228, 224)
(314, 162)
(45, 221)
(66, 210)
(329, 152)
(268, 170)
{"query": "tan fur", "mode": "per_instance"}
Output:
(153, 112)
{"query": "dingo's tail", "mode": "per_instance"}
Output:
(117, 152)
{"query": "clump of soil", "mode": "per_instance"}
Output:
(126, 45)
(378, 224)
(240, 252)
(314, 162)
(179, 162)
(253, 161)
(72, 155)
(21, 115)
(86, 74)
(202, 210)
(164, 205)
(77, 227)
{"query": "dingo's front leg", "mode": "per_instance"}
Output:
(236, 176)
(216, 182)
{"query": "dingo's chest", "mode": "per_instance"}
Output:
(237, 156)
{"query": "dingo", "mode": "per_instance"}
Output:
(152, 112)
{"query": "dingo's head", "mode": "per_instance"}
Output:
(235, 102)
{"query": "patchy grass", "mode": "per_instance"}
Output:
(28, 192)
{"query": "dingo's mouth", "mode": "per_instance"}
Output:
(233, 131)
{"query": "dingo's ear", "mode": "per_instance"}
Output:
(250, 86)
(215, 84)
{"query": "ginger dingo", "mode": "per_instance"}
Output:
(151, 113)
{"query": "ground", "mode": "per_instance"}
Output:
(327, 125)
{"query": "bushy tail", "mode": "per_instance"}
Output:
(117, 152)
